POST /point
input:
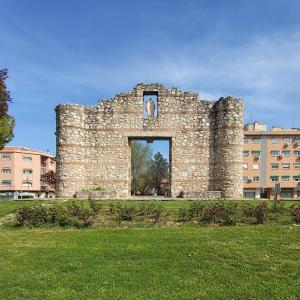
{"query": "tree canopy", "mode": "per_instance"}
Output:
(141, 155)
(7, 122)
(147, 173)
(159, 170)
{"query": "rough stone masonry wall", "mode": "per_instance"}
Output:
(227, 159)
(93, 142)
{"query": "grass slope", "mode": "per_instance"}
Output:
(253, 262)
(184, 262)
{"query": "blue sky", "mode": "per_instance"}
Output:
(81, 51)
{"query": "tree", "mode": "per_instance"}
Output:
(50, 178)
(141, 155)
(7, 122)
(159, 170)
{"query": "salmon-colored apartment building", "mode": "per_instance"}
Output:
(271, 158)
(22, 173)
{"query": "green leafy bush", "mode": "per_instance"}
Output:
(259, 213)
(126, 213)
(145, 210)
(73, 215)
(157, 213)
(278, 207)
(184, 215)
(219, 214)
(112, 208)
(152, 212)
(196, 209)
(32, 216)
(95, 206)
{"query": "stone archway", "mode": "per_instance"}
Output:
(92, 142)
(169, 158)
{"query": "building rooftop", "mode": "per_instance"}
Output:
(26, 150)
(257, 128)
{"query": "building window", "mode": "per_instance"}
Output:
(255, 178)
(27, 171)
(297, 178)
(297, 140)
(286, 152)
(256, 153)
(285, 166)
(6, 171)
(255, 166)
(245, 179)
(245, 166)
(6, 182)
(274, 166)
(27, 182)
(27, 158)
(275, 153)
(287, 141)
(296, 165)
(5, 157)
(297, 152)
(245, 153)
(256, 140)
(275, 140)
(246, 140)
(285, 178)
(274, 178)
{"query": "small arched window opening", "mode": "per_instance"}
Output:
(150, 100)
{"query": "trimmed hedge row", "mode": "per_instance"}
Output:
(72, 215)
(220, 213)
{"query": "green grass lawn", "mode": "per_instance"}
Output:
(184, 262)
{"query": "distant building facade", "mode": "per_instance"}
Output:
(271, 158)
(22, 173)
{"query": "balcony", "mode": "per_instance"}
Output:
(43, 170)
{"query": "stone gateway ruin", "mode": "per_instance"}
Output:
(205, 138)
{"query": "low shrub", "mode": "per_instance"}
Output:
(126, 213)
(278, 207)
(196, 210)
(261, 213)
(193, 212)
(35, 216)
(219, 214)
(55, 213)
(85, 220)
(75, 209)
(152, 212)
(249, 211)
(95, 206)
(73, 215)
(295, 213)
(157, 214)
(145, 210)
(65, 220)
(184, 215)
(112, 208)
